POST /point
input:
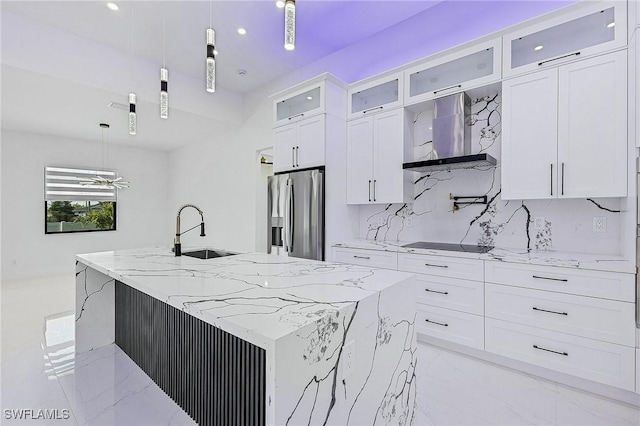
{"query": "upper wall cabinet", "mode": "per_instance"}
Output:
(466, 68)
(595, 28)
(322, 94)
(373, 96)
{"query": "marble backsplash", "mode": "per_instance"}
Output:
(561, 224)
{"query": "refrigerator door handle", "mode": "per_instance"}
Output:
(289, 216)
(285, 224)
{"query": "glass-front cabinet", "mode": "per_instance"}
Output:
(592, 29)
(371, 96)
(471, 67)
(296, 106)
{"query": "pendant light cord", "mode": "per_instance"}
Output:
(133, 76)
(164, 40)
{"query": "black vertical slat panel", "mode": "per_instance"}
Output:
(217, 378)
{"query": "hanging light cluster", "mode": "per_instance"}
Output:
(290, 24)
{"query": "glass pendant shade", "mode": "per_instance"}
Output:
(211, 61)
(290, 24)
(164, 94)
(133, 122)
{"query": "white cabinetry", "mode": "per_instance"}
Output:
(377, 146)
(591, 29)
(576, 151)
(374, 258)
(300, 145)
(454, 72)
(574, 321)
(371, 96)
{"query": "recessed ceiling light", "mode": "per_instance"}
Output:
(113, 6)
(309, 98)
(611, 24)
(538, 47)
(242, 31)
(280, 4)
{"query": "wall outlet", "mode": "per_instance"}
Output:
(348, 359)
(600, 224)
(538, 222)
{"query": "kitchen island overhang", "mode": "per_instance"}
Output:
(338, 341)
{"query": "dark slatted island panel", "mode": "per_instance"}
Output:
(216, 377)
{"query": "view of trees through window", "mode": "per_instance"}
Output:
(79, 216)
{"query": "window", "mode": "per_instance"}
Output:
(76, 200)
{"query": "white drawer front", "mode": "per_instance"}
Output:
(450, 293)
(459, 327)
(602, 319)
(602, 362)
(377, 259)
(607, 285)
(443, 266)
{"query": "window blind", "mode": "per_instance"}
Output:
(68, 184)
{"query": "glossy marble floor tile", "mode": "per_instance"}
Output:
(39, 370)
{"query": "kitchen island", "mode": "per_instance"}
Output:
(255, 338)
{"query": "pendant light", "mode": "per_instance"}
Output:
(211, 57)
(133, 120)
(164, 75)
(113, 182)
(290, 24)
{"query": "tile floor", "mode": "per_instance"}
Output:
(39, 371)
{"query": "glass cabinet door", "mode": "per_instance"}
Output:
(474, 66)
(375, 96)
(298, 105)
(595, 29)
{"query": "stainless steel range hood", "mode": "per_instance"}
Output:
(451, 138)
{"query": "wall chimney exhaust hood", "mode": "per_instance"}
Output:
(451, 138)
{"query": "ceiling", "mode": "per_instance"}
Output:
(64, 61)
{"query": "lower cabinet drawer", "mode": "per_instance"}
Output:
(450, 293)
(601, 362)
(607, 320)
(459, 327)
(377, 259)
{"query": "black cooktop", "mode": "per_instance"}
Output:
(449, 247)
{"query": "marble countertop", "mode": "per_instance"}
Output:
(257, 297)
(598, 262)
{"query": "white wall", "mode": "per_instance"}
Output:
(142, 218)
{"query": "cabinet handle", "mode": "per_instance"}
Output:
(438, 323)
(293, 156)
(436, 266)
(447, 88)
(297, 156)
(362, 257)
(551, 312)
(294, 116)
(552, 279)
(369, 190)
(436, 291)
(551, 186)
(549, 350)
(559, 57)
(372, 109)
(562, 178)
(374, 189)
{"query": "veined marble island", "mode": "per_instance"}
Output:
(255, 338)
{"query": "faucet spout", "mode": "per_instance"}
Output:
(177, 245)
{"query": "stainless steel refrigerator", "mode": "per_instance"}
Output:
(295, 206)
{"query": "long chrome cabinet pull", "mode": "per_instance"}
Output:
(372, 109)
(361, 257)
(436, 291)
(564, 280)
(559, 57)
(562, 193)
(447, 88)
(297, 115)
(551, 312)
(438, 323)
(549, 350)
(293, 156)
(374, 189)
(297, 156)
(436, 266)
(551, 178)
(369, 189)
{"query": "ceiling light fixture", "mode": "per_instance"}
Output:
(164, 76)
(113, 6)
(211, 56)
(280, 4)
(99, 180)
(290, 24)
(242, 31)
(133, 120)
(611, 24)
(539, 47)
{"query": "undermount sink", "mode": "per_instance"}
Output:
(207, 254)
